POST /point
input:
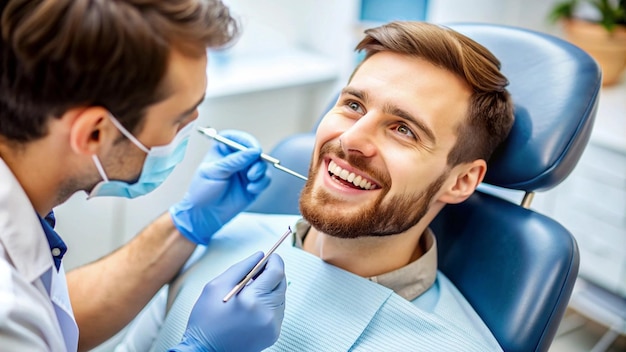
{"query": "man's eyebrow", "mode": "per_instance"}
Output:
(356, 92)
(193, 108)
(396, 111)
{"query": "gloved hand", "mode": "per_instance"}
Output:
(249, 321)
(226, 182)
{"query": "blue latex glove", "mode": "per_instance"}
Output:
(226, 182)
(249, 321)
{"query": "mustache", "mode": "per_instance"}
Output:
(357, 161)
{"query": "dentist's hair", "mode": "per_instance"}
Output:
(490, 115)
(61, 54)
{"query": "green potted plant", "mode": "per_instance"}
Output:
(598, 27)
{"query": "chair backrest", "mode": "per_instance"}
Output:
(516, 267)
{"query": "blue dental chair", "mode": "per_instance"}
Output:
(516, 267)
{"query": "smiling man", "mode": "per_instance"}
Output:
(380, 165)
(411, 132)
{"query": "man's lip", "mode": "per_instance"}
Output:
(350, 169)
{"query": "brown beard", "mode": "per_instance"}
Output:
(383, 218)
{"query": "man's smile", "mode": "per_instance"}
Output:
(350, 178)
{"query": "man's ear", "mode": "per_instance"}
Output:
(466, 177)
(90, 129)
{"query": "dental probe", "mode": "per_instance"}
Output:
(212, 133)
(257, 268)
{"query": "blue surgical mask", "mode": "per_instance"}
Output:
(159, 163)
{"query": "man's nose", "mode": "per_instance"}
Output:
(361, 137)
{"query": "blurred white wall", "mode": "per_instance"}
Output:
(529, 14)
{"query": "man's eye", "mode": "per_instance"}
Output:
(185, 119)
(403, 129)
(354, 106)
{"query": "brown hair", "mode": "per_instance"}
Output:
(61, 54)
(490, 114)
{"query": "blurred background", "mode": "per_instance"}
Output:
(281, 75)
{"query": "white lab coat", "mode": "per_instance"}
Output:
(35, 310)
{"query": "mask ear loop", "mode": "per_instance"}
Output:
(128, 135)
(96, 161)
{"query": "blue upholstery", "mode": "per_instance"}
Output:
(516, 267)
(551, 81)
(283, 193)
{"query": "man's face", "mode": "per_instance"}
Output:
(186, 82)
(380, 158)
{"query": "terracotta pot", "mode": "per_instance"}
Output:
(608, 49)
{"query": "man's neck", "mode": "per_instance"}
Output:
(369, 256)
(38, 169)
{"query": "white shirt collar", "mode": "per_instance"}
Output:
(409, 281)
(21, 233)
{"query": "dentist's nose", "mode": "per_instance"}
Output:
(360, 137)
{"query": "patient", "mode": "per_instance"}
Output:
(410, 133)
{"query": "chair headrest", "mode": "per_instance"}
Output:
(555, 87)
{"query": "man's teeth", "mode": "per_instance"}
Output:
(349, 176)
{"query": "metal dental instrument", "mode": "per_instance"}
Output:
(212, 133)
(257, 268)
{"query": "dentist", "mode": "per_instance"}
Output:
(100, 96)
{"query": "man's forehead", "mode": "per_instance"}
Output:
(408, 75)
(186, 74)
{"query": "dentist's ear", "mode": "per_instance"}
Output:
(464, 179)
(90, 129)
